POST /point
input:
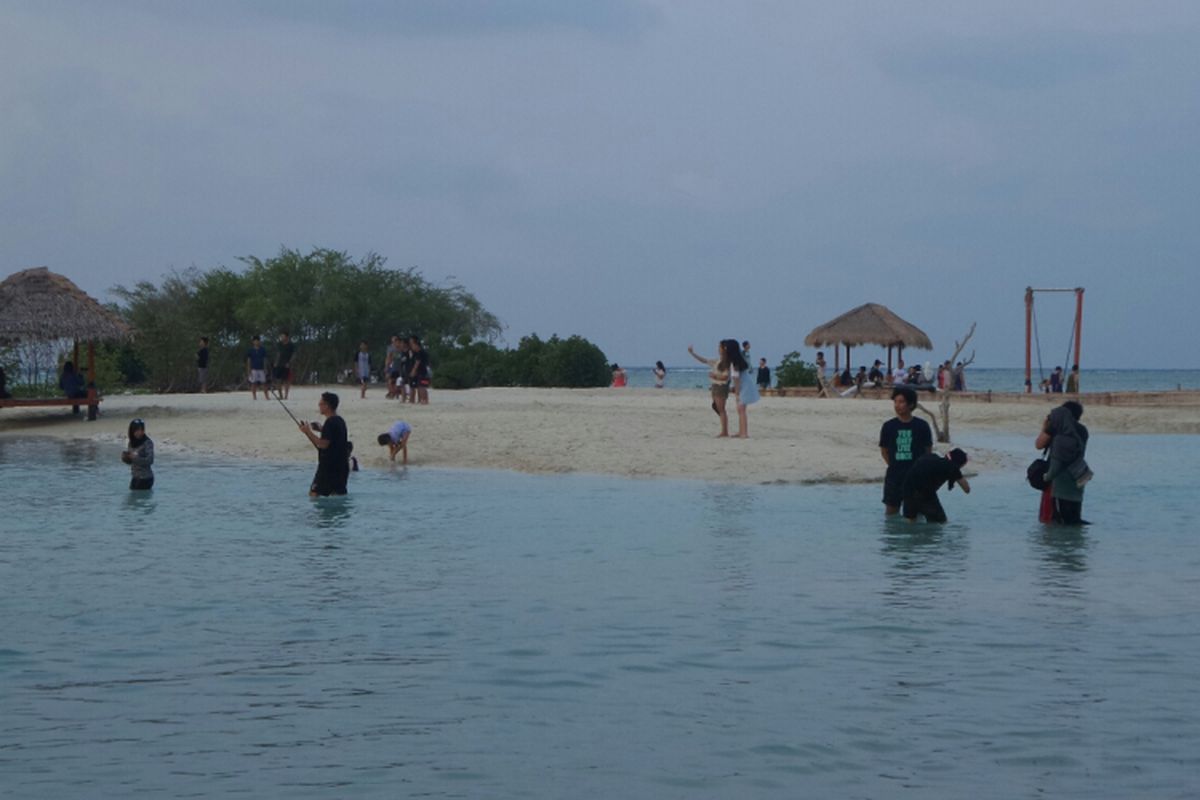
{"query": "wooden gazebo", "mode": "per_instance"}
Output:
(870, 323)
(40, 305)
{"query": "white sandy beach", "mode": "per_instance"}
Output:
(629, 432)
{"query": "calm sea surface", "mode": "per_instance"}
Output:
(484, 634)
(978, 379)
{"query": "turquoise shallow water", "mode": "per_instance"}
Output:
(479, 634)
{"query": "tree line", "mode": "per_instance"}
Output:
(328, 303)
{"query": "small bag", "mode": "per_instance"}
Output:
(1036, 473)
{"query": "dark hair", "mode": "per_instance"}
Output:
(1075, 408)
(957, 457)
(415, 339)
(733, 354)
(204, 339)
(907, 393)
(659, 364)
(614, 367)
(135, 425)
(68, 366)
(330, 399)
(384, 438)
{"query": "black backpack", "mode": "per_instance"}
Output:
(1036, 473)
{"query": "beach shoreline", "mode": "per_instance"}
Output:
(634, 433)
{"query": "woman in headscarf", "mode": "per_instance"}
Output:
(1066, 439)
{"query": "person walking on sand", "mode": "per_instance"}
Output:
(744, 387)
(902, 440)
(822, 387)
(1073, 380)
(256, 368)
(660, 375)
(333, 455)
(139, 455)
(619, 378)
(396, 440)
(718, 376)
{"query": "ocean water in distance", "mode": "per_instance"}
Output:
(979, 379)
(485, 634)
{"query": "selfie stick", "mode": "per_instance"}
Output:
(285, 408)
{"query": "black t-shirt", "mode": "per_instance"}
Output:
(286, 351)
(202, 358)
(421, 358)
(905, 443)
(764, 376)
(335, 456)
(928, 473)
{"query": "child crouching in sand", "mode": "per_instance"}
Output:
(396, 440)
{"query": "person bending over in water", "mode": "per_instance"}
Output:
(396, 440)
(139, 455)
(922, 482)
(333, 456)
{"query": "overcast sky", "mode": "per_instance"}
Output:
(647, 174)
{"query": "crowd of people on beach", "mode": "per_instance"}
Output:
(913, 472)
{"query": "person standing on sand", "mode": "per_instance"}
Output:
(362, 367)
(256, 368)
(333, 455)
(1073, 380)
(763, 378)
(419, 374)
(283, 363)
(139, 455)
(718, 376)
(902, 440)
(391, 367)
(660, 375)
(744, 388)
(202, 364)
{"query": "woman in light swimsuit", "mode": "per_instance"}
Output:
(718, 376)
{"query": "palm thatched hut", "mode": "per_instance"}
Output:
(870, 323)
(40, 305)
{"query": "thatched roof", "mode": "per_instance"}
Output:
(42, 305)
(868, 324)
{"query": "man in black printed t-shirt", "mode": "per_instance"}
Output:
(902, 440)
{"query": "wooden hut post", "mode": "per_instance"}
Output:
(1078, 321)
(93, 404)
(1028, 337)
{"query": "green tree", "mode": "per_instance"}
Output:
(795, 371)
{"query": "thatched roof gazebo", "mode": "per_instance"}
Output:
(40, 305)
(870, 323)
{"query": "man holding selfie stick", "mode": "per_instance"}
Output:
(333, 457)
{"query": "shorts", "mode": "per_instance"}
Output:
(924, 504)
(328, 481)
(141, 484)
(202, 374)
(258, 376)
(283, 374)
(720, 391)
(893, 491)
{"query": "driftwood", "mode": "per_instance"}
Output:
(942, 431)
